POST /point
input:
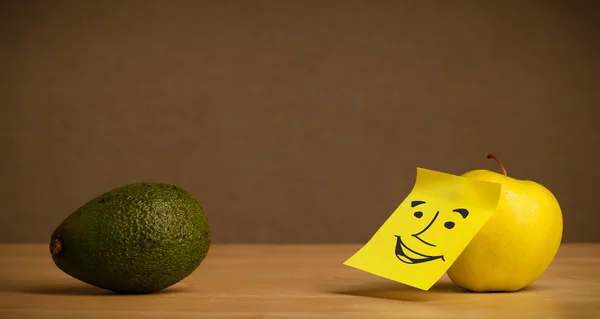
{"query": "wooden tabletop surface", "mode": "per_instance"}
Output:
(292, 281)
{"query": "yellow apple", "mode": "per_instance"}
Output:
(517, 244)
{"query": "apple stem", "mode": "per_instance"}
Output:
(499, 163)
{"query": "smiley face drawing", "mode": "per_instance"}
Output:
(414, 246)
(430, 228)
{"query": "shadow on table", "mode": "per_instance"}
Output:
(76, 290)
(396, 291)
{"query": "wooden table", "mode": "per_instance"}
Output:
(292, 281)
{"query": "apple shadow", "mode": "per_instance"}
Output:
(82, 290)
(396, 291)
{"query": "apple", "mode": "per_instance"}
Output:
(517, 244)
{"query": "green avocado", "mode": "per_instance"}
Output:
(135, 239)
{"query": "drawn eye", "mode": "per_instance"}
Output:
(449, 225)
(418, 214)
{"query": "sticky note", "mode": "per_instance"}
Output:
(427, 232)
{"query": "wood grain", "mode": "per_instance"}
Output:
(293, 281)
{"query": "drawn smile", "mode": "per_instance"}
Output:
(409, 256)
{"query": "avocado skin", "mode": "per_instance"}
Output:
(135, 239)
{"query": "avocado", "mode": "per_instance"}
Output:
(135, 239)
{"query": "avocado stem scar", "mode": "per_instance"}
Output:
(56, 246)
(499, 163)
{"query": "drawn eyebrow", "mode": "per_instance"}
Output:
(416, 203)
(463, 212)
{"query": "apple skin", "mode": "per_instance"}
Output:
(517, 244)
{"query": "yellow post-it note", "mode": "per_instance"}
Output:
(428, 231)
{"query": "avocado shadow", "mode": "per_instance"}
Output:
(397, 291)
(83, 290)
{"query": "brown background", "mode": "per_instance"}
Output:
(293, 121)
